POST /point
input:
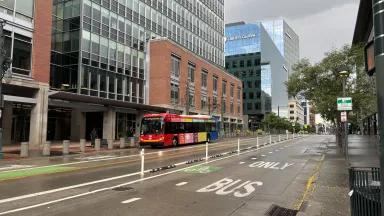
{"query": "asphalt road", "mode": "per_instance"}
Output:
(228, 184)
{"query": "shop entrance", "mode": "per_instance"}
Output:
(20, 122)
(94, 120)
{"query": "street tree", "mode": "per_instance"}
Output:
(321, 84)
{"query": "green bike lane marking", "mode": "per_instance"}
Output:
(34, 172)
(201, 169)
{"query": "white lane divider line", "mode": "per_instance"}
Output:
(181, 184)
(242, 162)
(270, 152)
(254, 158)
(263, 155)
(276, 150)
(130, 200)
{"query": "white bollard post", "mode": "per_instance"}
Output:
(24, 149)
(142, 162)
(287, 136)
(270, 139)
(47, 148)
(132, 143)
(97, 144)
(257, 142)
(82, 145)
(66, 144)
(206, 151)
(122, 143)
(238, 146)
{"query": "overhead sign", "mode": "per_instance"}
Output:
(343, 116)
(344, 104)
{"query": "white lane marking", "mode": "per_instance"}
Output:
(181, 184)
(122, 157)
(95, 157)
(263, 155)
(270, 152)
(130, 200)
(254, 158)
(276, 150)
(242, 162)
(15, 166)
(104, 180)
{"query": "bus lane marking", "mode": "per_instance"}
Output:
(270, 165)
(130, 200)
(227, 186)
(181, 184)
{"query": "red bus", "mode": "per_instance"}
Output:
(165, 129)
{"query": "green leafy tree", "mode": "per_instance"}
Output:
(322, 84)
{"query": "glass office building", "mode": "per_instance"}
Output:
(99, 46)
(285, 39)
(252, 56)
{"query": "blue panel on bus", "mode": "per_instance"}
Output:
(214, 135)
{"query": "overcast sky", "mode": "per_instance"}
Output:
(322, 25)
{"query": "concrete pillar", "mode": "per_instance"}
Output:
(97, 144)
(110, 144)
(122, 143)
(78, 124)
(7, 123)
(139, 117)
(66, 144)
(24, 149)
(132, 142)
(109, 124)
(82, 145)
(39, 116)
(47, 148)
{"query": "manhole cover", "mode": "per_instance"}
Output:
(122, 189)
(275, 210)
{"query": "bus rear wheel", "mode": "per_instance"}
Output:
(175, 142)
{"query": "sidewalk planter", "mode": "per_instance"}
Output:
(122, 143)
(47, 148)
(24, 149)
(365, 191)
(66, 144)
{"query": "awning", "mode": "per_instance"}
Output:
(72, 97)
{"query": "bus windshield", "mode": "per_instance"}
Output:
(151, 126)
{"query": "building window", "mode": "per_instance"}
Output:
(203, 102)
(249, 106)
(223, 106)
(175, 66)
(238, 93)
(238, 109)
(241, 63)
(224, 88)
(21, 60)
(249, 84)
(191, 99)
(291, 106)
(292, 112)
(257, 106)
(249, 63)
(204, 76)
(191, 73)
(234, 64)
(232, 90)
(232, 108)
(215, 84)
(251, 95)
(214, 103)
(174, 94)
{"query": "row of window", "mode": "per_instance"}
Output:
(257, 106)
(22, 9)
(203, 40)
(242, 63)
(252, 95)
(19, 49)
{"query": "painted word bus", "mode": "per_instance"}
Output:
(165, 129)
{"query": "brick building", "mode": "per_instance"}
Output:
(28, 44)
(184, 83)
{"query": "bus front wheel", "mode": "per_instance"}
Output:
(175, 142)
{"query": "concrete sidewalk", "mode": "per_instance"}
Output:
(331, 188)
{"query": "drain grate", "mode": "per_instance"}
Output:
(275, 210)
(122, 189)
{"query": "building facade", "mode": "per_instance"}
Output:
(99, 59)
(27, 42)
(185, 83)
(252, 56)
(285, 39)
(296, 112)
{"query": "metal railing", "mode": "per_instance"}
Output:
(365, 191)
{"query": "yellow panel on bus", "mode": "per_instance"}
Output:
(202, 137)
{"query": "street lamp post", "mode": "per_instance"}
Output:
(344, 125)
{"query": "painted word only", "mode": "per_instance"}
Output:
(270, 165)
(227, 186)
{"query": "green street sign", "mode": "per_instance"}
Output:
(344, 104)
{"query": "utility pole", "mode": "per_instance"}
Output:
(378, 23)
